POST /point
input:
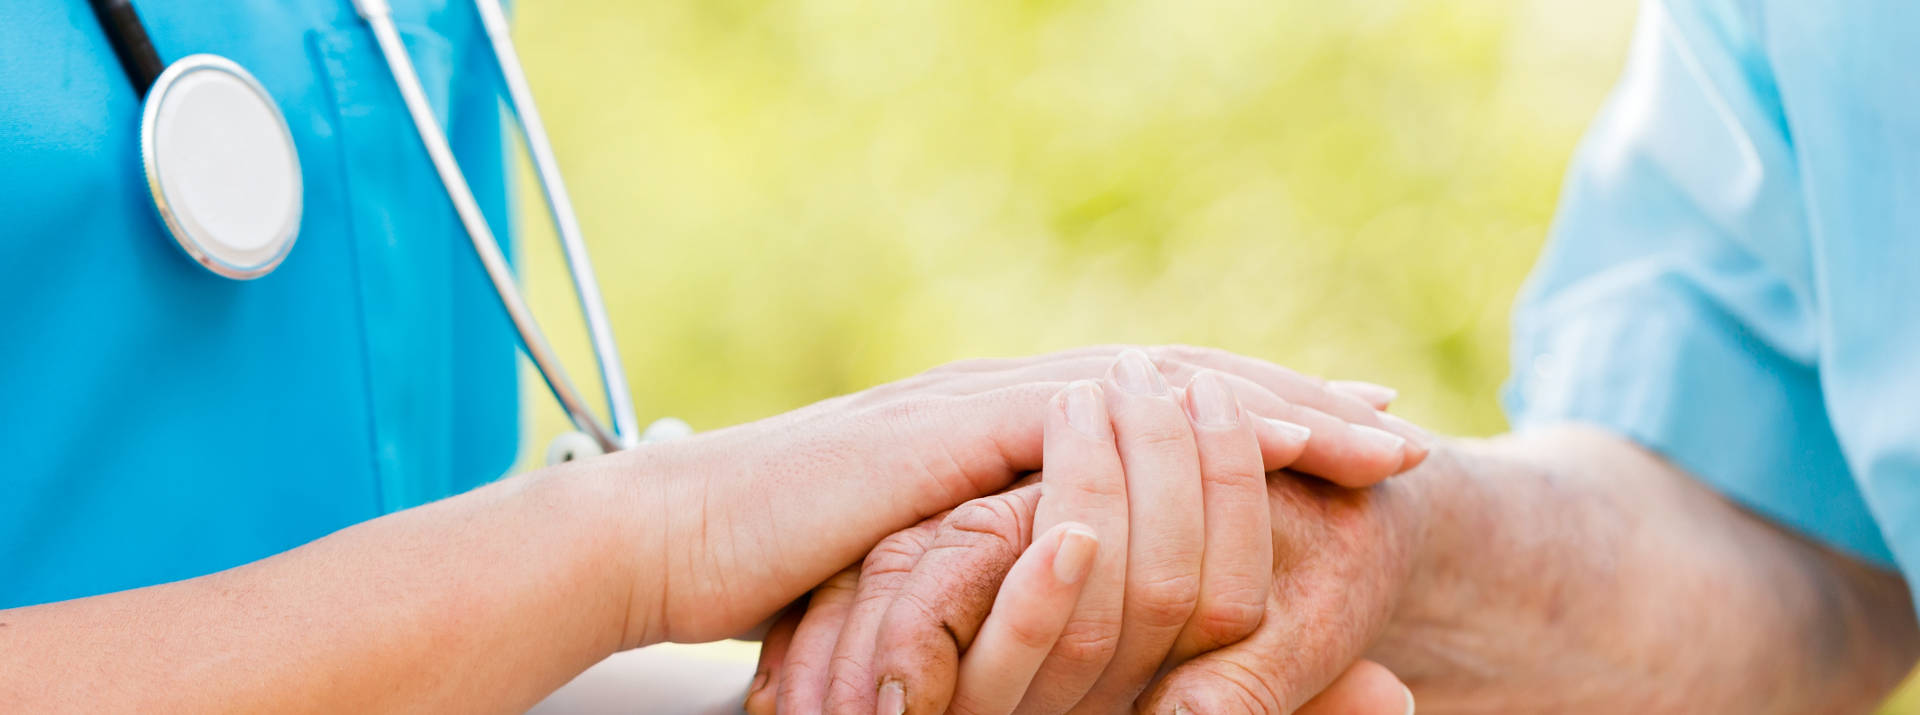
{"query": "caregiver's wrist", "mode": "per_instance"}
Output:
(613, 508)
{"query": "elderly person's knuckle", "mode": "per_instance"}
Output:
(1165, 598)
(914, 624)
(1227, 687)
(848, 683)
(991, 522)
(894, 555)
(791, 697)
(1228, 617)
(1255, 692)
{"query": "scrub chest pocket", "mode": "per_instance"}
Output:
(420, 296)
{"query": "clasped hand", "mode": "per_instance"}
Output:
(1163, 549)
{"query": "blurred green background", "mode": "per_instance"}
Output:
(793, 199)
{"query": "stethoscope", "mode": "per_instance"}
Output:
(224, 174)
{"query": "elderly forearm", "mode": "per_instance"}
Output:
(1569, 571)
(480, 603)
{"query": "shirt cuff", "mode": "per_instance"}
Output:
(1658, 365)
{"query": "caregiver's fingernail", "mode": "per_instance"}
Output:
(1075, 557)
(1378, 396)
(893, 699)
(1135, 373)
(1295, 432)
(1409, 699)
(1379, 439)
(1209, 402)
(1086, 412)
(1419, 436)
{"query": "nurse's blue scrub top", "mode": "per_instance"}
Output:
(159, 422)
(1734, 275)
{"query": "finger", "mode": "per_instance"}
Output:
(1349, 400)
(1237, 567)
(773, 651)
(939, 609)
(850, 682)
(1084, 484)
(1028, 615)
(1303, 390)
(1348, 454)
(1289, 384)
(1286, 661)
(1167, 530)
(1228, 680)
(1367, 688)
(1378, 397)
(1281, 443)
(803, 675)
(1358, 448)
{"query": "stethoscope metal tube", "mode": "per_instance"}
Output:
(379, 16)
(613, 376)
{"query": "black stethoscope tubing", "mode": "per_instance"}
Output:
(130, 43)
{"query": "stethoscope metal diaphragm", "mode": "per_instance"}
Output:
(221, 166)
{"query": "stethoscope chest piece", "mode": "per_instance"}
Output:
(222, 167)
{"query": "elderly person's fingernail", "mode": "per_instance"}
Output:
(1377, 395)
(1135, 373)
(893, 699)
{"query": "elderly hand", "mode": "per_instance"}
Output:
(1168, 585)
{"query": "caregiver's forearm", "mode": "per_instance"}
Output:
(1569, 571)
(483, 602)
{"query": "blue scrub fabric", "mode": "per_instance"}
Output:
(1733, 278)
(160, 422)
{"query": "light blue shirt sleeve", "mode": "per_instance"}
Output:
(1696, 297)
